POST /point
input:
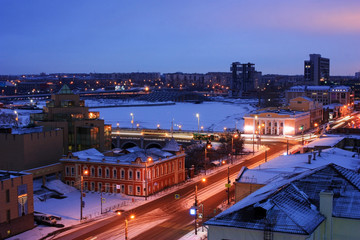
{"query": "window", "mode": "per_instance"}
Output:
(99, 172)
(8, 215)
(67, 171)
(157, 172)
(7, 195)
(122, 188)
(72, 171)
(107, 173)
(107, 187)
(138, 190)
(92, 186)
(92, 171)
(137, 175)
(114, 173)
(130, 174)
(85, 186)
(162, 170)
(72, 183)
(180, 164)
(122, 173)
(114, 188)
(130, 190)
(99, 187)
(68, 182)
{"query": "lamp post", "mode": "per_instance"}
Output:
(127, 219)
(16, 118)
(132, 120)
(149, 159)
(198, 118)
(256, 117)
(86, 172)
(207, 146)
(193, 210)
(232, 145)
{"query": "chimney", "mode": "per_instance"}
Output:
(314, 153)
(326, 209)
(309, 159)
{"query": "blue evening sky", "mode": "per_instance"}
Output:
(169, 36)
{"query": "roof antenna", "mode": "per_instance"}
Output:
(172, 128)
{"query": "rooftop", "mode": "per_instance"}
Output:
(4, 175)
(284, 167)
(292, 205)
(119, 157)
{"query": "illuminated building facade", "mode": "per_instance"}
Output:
(124, 171)
(82, 129)
(274, 121)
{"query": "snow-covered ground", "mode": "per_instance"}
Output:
(69, 208)
(212, 115)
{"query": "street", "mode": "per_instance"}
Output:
(167, 217)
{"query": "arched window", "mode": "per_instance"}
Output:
(138, 175)
(130, 174)
(99, 172)
(122, 174)
(107, 173)
(92, 171)
(114, 173)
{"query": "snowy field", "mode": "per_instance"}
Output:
(214, 116)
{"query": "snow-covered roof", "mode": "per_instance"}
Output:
(284, 167)
(340, 89)
(333, 105)
(172, 146)
(93, 155)
(327, 141)
(292, 205)
(318, 88)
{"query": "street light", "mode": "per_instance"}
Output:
(193, 209)
(85, 172)
(132, 120)
(208, 146)
(198, 117)
(16, 118)
(127, 219)
(149, 159)
(256, 117)
(232, 145)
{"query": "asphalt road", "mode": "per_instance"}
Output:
(171, 219)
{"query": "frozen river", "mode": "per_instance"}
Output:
(213, 116)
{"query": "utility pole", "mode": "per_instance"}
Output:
(196, 204)
(101, 200)
(81, 197)
(126, 229)
(228, 189)
(287, 146)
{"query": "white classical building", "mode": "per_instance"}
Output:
(274, 121)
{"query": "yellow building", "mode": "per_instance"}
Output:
(306, 104)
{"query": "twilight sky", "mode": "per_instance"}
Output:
(169, 36)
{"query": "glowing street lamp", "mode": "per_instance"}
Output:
(198, 117)
(232, 145)
(84, 173)
(148, 160)
(132, 120)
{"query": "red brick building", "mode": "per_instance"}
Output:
(123, 171)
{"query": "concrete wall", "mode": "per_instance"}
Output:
(26, 151)
(244, 189)
(232, 233)
(345, 228)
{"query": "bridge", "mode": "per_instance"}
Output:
(149, 138)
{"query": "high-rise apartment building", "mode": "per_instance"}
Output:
(244, 78)
(317, 70)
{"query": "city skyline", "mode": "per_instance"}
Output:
(186, 36)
